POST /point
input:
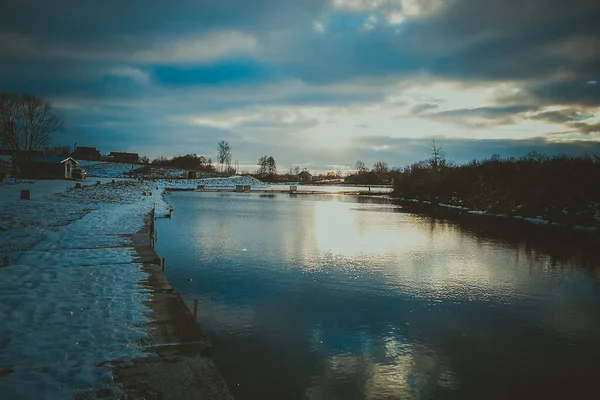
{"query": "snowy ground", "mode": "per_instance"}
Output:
(106, 169)
(69, 299)
(118, 170)
(54, 203)
(213, 183)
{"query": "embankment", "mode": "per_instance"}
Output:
(178, 365)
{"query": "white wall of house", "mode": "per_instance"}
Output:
(69, 165)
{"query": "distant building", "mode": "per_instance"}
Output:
(86, 153)
(49, 168)
(304, 176)
(131, 158)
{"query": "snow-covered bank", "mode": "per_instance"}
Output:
(119, 170)
(54, 203)
(212, 183)
(534, 220)
(71, 302)
(106, 169)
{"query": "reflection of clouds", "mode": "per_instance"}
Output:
(393, 370)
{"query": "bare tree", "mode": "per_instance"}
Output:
(437, 160)
(361, 167)
(296, 170)
(381, 167)
(27, 123)
(224, 157)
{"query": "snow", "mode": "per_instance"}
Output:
(452, 206)
(585, 228)
(118, 170)
(42, 188)
(212, 183)
(70, 298)
(537, 220)
(106, 169)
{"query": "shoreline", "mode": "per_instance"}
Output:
(459, 210)
(178, 365)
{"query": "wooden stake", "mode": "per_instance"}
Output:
(163, 264)
(195, 309)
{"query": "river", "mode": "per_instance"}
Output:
(346, 297)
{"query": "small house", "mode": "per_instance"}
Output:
(50, 168)
(86, 153)
(130, 158)
(304, 176)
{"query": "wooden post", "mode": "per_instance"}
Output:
(25, 194)
(195, 309)
(162, 264)
(78, 185)
(97, 183)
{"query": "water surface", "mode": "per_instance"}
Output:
(341, 297)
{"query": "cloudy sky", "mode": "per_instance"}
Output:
(316, 83)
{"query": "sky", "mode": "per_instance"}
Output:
(314, 83)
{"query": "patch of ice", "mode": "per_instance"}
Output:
(538, 221)
(452, 206)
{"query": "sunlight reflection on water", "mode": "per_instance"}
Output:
(339, 297)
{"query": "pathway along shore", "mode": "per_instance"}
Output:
(178, 366)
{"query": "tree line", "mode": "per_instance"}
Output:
(189, 162)
(557, 188)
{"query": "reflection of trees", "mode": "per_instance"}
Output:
(553, 249)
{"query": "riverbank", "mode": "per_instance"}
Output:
(179, 366)
(425, 206)
(79, 294)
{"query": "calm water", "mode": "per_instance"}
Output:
(329, 297)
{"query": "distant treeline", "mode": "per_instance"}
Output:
(559, 188)
(190, 162)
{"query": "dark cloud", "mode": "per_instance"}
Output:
(114, 51)
(562, 116)
(483, 117)
(420, 108)
(100, 23)
(572, 92)
(588, 129)
(402, 151)
(485, 112)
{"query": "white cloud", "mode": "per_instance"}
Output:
(370, 23)
(421, 8)
(319, 27)
(361, 5)
(395, 10)
(135, 74)
(199, 49)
